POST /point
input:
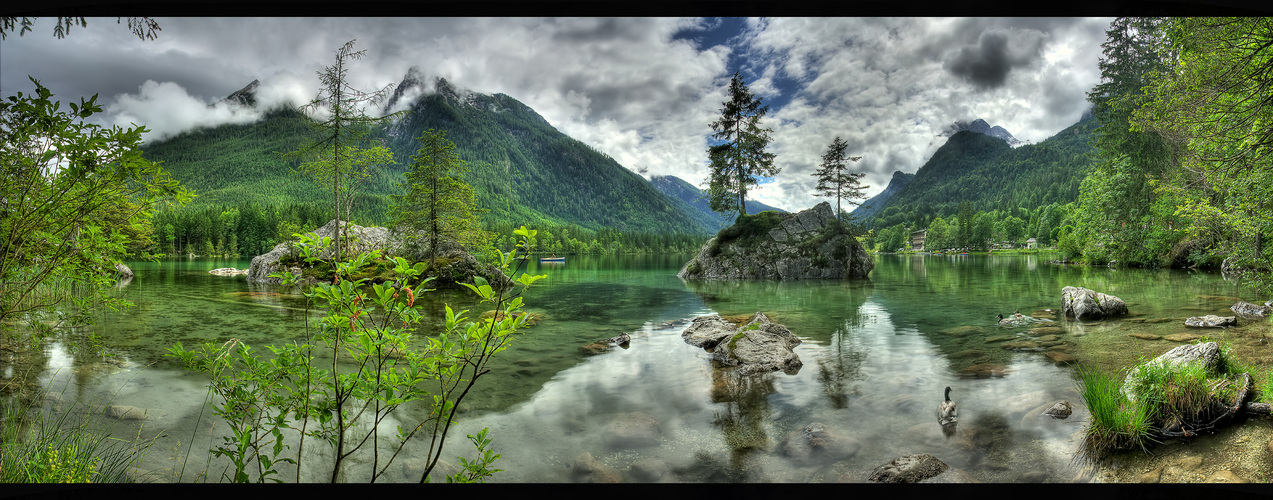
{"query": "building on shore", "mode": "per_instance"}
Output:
(917, 240)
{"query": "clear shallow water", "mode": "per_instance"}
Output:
(876, 356)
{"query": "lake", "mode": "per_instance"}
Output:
(876, 356)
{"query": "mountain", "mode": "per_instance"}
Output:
(245, 96)
(871, 206)
(522, 169)
(981, 127)
(677, 188)
(986, 172)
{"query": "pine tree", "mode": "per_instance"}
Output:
(741, 157)
(338, 154)
(835, 179)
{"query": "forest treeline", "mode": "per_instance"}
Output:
(250, 229)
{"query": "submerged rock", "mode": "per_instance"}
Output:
(983, 370)
(587, 469)
(1062, 409)
(1211, 321)
(125, 412)
(818, 443)
(807, 245)
(1081, 303)
(228, 271)
(603, 345)
(632, 430)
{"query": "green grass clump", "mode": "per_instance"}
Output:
(1173, 393)
(1116, 422)
(43, 447)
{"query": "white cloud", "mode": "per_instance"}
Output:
(165, 109)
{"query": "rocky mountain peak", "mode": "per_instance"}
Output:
(981, 127)
(245, 96)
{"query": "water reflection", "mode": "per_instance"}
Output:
(877, 352)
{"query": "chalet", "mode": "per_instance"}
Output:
(917, 240)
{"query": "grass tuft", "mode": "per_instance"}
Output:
(1116, 422)
(54, 447)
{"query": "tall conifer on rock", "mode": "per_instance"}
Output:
(834, 178)
(337, 154)
(740, 157)
(436, 198)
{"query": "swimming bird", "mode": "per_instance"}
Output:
(947, 413)
(1004, 321)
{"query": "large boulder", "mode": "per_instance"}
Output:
(449, 263)
(760, 346)
(810, 244)
(1081, 303)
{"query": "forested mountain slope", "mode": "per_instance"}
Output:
(895, 185)
(988, 174)
(522, 169)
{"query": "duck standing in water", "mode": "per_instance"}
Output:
(947, 413)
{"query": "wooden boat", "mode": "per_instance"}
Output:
(552, 259)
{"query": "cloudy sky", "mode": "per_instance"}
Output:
(643, 90)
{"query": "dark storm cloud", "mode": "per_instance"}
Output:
(996, 53)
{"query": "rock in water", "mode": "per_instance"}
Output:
(1249, 310)
(760, 346)
(805, 245)
(1206, 354)
(1060, 410)
(124, 271)
(1211, 321)
(454, 264)
(1081, 303)
(908, 469)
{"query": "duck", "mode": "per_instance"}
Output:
(947, 413)
(1002, 321)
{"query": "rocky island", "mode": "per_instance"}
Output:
(811, 244)
(449, 264)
